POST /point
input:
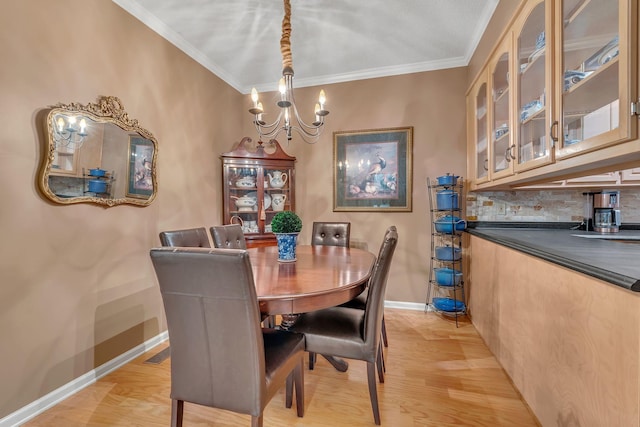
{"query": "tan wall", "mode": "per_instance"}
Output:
(434, 104)
(77, 286)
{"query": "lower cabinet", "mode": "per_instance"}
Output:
(569, 342)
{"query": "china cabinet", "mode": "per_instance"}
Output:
(445, 292)
(574, 86)
(258, 180)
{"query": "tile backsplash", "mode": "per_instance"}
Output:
(547, 206)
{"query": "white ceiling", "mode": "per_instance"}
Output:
(331, 41)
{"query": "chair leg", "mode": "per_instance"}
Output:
(289, 390)
(299, 381)
(380, 363)
(373, 393)
(384, 333)
(312, 360)
(256, 421)
(269, 321)
(384, 366)
(177, 408)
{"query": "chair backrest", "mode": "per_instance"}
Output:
(331, 233)
(217, 347)
(228, 236)
(374, 309)
(191, 237)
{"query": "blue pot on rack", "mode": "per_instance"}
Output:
(448, 253)
(447, 179)
(448, 276)
(447, 200)
(449, 224)
(97, 186)
(449, 305)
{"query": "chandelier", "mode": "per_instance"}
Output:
(69, 133)
(289, 119)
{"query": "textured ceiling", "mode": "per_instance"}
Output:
(331, 41)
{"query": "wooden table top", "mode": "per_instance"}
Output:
(321, 277)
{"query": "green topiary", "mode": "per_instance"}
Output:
(286, 222)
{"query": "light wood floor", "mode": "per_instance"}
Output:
(437, 375)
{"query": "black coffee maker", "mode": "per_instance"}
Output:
(602, 211)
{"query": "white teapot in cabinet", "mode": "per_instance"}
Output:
(277, 179)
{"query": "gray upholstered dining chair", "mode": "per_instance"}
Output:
(228, 236)
(220, 355)
(331, 233)
(190, 237)
(231, 236)
(361, 302)
(353, 333)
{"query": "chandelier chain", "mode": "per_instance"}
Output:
(285, 40)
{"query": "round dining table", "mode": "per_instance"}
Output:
(321, 277)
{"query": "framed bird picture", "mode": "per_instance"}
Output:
(372, 170)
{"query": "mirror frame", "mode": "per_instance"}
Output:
(108, 109)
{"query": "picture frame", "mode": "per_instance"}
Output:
(140, 172)
(373, 170)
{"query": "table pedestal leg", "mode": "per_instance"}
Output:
(338, 363)
(288, 320)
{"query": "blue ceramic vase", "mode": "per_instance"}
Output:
(286, 246)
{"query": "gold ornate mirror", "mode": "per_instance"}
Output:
(97, 154)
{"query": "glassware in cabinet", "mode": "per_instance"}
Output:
(594, 108)
(501, 153)
(533, 146)
(477, 104)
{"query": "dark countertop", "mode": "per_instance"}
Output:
(614, 261)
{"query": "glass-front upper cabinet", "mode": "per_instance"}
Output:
(593, 66)
(478, 119)
(501, 151)
(533, 145)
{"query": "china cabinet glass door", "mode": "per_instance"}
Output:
(501, 135)
(533, 145)
(478, 108)
(257, 183)
(591, 65)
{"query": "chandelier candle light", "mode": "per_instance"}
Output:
(69, 133)
(287, 103)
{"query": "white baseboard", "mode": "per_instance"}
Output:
(29, 411)
(405, 305)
